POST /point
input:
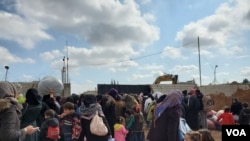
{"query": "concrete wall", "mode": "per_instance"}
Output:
(227, 89)
(165, 88)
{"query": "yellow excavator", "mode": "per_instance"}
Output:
(166, 77)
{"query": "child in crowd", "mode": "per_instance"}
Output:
(129, 118)
(226, 118)
(193, 136)
(206, 135)
(136, 132)
(120, 130)
(50, 121)
(69, 119)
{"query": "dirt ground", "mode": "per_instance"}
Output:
(217, 135)
(222, 100)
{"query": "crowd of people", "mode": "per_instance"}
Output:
(175, 116)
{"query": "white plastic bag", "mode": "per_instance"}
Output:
(50, 83)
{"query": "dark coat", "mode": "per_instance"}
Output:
(108, 107)
(192, 114)
(40, 118)
(166, 127)
(244, 117)
(51, 103)
(9, 122)
(29, 117)
(91, 137)
(236, 108)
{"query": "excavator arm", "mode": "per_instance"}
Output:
(166, 77)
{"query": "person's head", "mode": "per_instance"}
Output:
(89, 99)
(49, 113)
(192, 92)
(245, 105)
(184, 93)
(128, 113)
(119, 97)
(7, 89)
(69, 99)
(206, 135)
(76, 98)
(32, 97)
(193, 136)
(113, 92)
(161, 98)
(174, 98)
(99, 98)
(68, 107)
(120, 120)
(235, 100)
(226, 109)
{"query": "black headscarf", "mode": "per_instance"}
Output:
(32, 97)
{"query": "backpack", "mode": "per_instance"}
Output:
(76, 129)
(53, 132)
(208, 103)
(97, 126)
(150, 111)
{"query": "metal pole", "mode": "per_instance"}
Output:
(7, 68)
(215, 74)
(67, 64)
(199, 59)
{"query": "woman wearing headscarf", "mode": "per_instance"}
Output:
(10, 112)
(88, 111)
(31, 111)
(165, 126)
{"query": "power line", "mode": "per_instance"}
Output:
(132, 59)
(156, 53)
(138, 58)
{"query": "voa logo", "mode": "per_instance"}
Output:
(236, 132)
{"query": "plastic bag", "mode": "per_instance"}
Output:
(50, 83)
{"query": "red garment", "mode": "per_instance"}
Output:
(226, 118)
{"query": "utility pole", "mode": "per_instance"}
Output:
(67, 72)
(199, 59)
(215, 74)
(7, 68)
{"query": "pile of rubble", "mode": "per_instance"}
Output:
(222, 100)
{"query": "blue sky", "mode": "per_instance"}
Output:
(129, 41)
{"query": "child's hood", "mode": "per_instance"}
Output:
(53, 122)
(118, 126)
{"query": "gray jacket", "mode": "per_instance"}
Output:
(9, 121)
